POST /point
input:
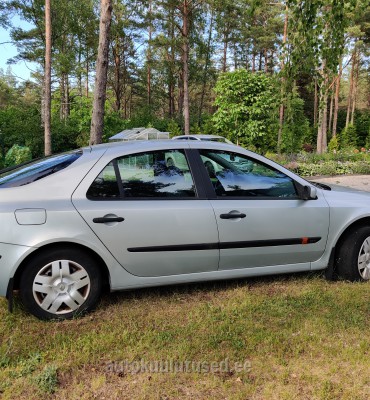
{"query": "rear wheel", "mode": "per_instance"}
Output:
(60, 284)
(353, 259)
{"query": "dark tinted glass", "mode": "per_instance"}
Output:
(163, 174)
(156, 174)
(35, 170)
(235, 175)
(105, 185)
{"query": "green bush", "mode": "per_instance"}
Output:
(333, 145)
(296, 127)
(348, 136)
(246, 106)
(173, 128)
(330, 168)
(17, 155)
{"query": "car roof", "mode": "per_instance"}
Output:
(148, 145)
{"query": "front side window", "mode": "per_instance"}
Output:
(37, 169)
(236, 175)
(159, 174)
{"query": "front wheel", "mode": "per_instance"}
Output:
(60, 284)
(353, 259)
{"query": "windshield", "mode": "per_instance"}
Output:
(37, 169)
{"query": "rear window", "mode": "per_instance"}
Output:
(34, 170)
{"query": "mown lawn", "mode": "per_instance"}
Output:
(303, 337)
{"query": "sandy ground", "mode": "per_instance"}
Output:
(361, 182)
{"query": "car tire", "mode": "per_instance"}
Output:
(353, 259)
(61, 284)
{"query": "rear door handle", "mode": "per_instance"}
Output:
(103, 220)
(232, 216)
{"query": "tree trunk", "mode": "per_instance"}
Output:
(171, 66)
(260, 61)
(67, 98)
(117, 75)
(253, 60)
(79, 73)
(224, 57)
(246, 55)
(331, 111)
(315, 104)
(266, 61)
(355, 87)
(87, 74)
(149, 57)
(325, 124)
(350, 93)
(185, 63)
(281, 110)
(180, 99)
(336, 99)
(235, 57)
(205, 72)
(62, 89)
(47, 103)
(323, 117)
(64, 97)
(97, 120)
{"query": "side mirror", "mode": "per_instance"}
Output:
(307, 192)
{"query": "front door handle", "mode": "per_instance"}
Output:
(232, 215)
(104, 220)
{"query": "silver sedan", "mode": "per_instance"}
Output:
(121, 216)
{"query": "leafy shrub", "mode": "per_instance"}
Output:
(17, 155)
(246, 104)
(330, 168)
(195, 129)
(362, 122)
(348, 136)
(333, 145)
(296, 126)
(173, 128)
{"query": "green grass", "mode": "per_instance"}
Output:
(304, 337)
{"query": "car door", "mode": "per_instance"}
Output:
(150, 215)
(260, 218)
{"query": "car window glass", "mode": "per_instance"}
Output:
(35, 170)
(236, 175)
(105, 185)
(156, 174)
(163, 174)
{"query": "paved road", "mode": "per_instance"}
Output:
(361, 182)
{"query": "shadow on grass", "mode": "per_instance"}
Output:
(201, 290)
(206, 288)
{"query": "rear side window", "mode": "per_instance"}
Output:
(159, 174)
(35, 170)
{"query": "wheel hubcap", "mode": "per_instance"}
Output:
(364, 260)
(61, 287)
